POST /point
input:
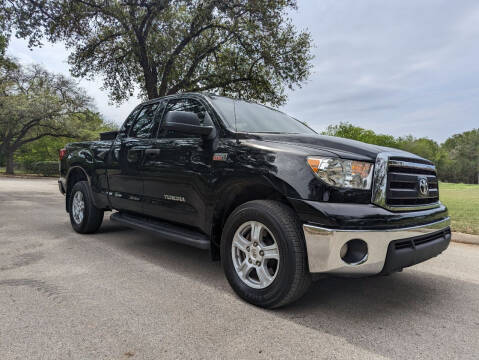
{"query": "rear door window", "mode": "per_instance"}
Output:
(147, 121)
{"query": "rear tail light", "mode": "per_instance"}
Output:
(62, 153)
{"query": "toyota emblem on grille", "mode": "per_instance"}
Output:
(423, 187)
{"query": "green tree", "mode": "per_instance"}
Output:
(3, 47)
(89, 126)
(35, 104)
(3, 30)
(3, 59)
(4, 36)
(243, 48)
(349, 131)
(463, 164)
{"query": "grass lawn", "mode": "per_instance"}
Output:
(463, 203)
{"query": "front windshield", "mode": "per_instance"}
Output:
(252, 117)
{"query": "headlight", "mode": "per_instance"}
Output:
(342, 173)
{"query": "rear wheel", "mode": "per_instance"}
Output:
(84, 216)
(264, 255)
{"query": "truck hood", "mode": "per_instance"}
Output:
(344, 148)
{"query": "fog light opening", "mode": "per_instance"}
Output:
(354, 252)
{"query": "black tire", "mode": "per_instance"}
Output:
(92, 216)
(293, 277)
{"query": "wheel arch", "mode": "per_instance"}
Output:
(235, 194)
(75, 173)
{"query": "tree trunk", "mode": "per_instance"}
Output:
(149, 73)
(151, 86)
(9, 158)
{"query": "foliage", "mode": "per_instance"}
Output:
(3, 47)
(3, 31)
(349, 131)
(46, 149)
(457, 160)
(46, 168)
(35, 104)
(463, 151)
(5, 62)
(244, 48)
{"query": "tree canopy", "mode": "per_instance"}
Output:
(35, 104)
(244, 48)
(4, 36)
(46, 148)
(463, 151)
(349, 131)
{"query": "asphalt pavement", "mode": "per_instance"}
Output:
(123, 294)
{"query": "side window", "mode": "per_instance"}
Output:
(146, 123)
(189, 105)
(125, 128)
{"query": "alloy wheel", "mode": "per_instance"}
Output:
(78, 207)
(255, 255)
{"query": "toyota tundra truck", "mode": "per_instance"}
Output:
(276, 202)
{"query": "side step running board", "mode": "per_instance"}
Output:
(164, 230)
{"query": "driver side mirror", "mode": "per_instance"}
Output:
(187, 122)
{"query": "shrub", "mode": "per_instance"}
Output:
(46, 168)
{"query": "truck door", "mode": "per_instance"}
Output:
(177, 171)
(126, 157)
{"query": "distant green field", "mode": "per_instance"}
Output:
(463, 203)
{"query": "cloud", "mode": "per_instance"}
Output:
(397, 67)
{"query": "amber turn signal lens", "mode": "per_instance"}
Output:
(314, 163)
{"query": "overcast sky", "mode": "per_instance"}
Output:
(397, 67)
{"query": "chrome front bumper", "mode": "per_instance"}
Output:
(324, 246)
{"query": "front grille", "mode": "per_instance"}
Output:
(420, 240)
(404, 178)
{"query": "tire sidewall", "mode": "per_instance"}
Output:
(281, 284)
(80, 186)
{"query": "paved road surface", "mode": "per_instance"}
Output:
(123, 294)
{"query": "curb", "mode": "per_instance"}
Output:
(465, 238)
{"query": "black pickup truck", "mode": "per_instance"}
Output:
(276, 202)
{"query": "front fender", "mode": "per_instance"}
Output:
(286, 167)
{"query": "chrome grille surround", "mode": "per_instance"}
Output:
(383, 163)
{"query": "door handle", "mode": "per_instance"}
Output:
(152, 152)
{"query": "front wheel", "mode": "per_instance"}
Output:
(84, 216)
(263, 254)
